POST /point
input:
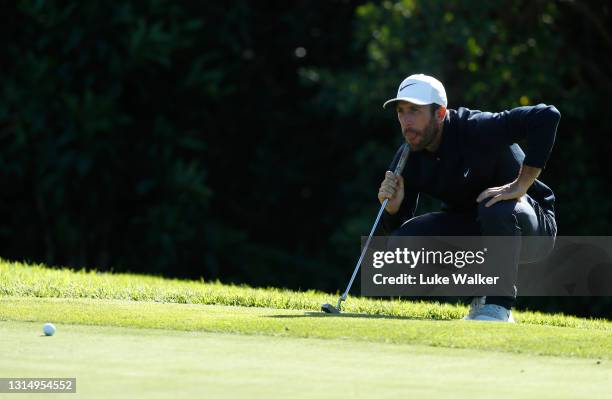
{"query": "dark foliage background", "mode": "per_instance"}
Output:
(246, 141)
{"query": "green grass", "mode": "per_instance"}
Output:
(19, 280)
(500, 337)
(133, 363)
(129, 335)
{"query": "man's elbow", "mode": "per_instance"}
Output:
(552, 112)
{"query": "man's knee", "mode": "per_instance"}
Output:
(408, 229)
(423, 225)
(499, 217)
(499, 210)
(414, 232)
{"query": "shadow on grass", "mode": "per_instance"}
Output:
(352, 315)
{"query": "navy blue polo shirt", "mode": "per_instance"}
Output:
(478, 150)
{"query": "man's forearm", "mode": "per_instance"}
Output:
(527, 176)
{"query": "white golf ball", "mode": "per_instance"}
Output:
(49, 329)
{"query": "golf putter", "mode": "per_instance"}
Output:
(329, 308)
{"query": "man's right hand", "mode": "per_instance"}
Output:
(392, 188)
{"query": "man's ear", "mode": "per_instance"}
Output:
(441, 113)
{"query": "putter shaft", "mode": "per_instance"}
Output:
(363, 252)
(398, 171)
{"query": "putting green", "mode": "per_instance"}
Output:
(590, 341)
(156, 363)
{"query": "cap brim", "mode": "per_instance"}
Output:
(408, 99)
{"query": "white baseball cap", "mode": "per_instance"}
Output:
(420, 89)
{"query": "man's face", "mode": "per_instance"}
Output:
(418, 124)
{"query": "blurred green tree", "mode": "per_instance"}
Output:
(245, 140)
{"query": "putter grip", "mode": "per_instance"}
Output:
(402, 160)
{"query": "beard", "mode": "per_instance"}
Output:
(420, 139)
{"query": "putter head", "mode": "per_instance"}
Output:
(329, 308)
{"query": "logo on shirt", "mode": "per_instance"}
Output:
(466, 173)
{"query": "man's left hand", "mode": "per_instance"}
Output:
(505, 192)
(514, 190)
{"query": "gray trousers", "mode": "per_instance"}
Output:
(518, 218)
